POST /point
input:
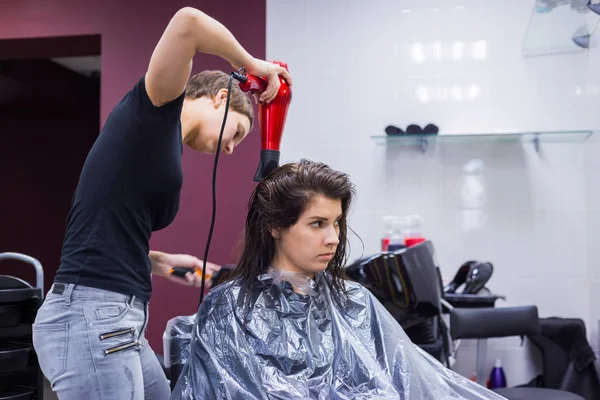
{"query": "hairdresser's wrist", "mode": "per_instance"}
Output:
(253, 64)
(242, 60)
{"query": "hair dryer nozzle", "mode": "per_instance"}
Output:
(269, 160)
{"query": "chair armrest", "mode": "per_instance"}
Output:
(483, 323)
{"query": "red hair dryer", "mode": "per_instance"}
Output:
(271, 118)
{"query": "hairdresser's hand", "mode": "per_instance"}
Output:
(162, 263)
(271, 72)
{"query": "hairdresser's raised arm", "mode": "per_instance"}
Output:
(190, 31)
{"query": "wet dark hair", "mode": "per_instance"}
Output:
(277, 202)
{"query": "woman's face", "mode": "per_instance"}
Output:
(202, 120)
(309, 245)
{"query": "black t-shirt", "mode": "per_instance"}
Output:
(129, 187)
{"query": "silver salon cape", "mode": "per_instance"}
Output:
(303, 346)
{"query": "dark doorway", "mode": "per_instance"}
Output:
(49, 119)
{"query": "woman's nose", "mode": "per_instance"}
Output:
(333, 237)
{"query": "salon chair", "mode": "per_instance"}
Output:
(407, 283)
(568, 359)
(176, 352)
(485, 323)
(177, 343)
(21, 377)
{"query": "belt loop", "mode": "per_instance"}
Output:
(68, 292)
(132, 300)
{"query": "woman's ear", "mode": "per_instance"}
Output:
(276, 233)
(220, 98)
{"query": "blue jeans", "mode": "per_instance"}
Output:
(90, 344)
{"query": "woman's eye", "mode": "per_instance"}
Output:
(316, 224)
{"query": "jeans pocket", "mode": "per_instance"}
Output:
(105, 312)
(50, 342)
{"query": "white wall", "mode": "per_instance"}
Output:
(361, 65)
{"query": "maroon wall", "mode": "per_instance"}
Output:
(129, 31)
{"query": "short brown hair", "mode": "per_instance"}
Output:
(208, 83)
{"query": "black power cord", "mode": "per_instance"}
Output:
(239, 75)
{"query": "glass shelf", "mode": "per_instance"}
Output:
(544, 136)
(460, 138)
(558, 27)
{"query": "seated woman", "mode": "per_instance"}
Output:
(288, 325)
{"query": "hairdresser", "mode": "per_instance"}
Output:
(89, 333)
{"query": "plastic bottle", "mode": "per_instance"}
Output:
(413, 232)
(388, 231)
(397, 237)
(497, 377)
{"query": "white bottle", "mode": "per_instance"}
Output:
(388, 231)
(397, 236)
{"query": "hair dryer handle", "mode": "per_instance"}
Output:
(253, 84)
(257, 85)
